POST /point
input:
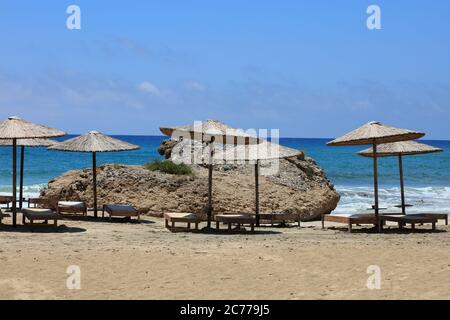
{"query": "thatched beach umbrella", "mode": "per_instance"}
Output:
(15, 128)
(265, 151)
(25, 143)
(94, 142)
(375, 133)
(210, 132)
(400, 149)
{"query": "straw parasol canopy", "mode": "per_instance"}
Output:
(253, 154)
(264, 151)
(38, 142)
(403, 148)
(375, 133)
(210, 132)
(94, 142)
(16, 128)
(400, 149)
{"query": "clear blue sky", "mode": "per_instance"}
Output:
(310, 68)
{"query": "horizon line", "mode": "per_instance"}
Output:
(316, 138)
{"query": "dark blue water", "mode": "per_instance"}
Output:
(427, 177)
(41, 164)
(344, 167)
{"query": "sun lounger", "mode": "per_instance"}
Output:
(72, 208)
(279, 217)
(35, 202)
(411, 219)
(354, 219)
(120, 210)
(6, 200)
(235, 218)
(349, 220)
(173, 217)
(35, 214)
(439, 216)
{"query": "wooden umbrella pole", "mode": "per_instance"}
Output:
(14, 182)
(210, 170)
(375, 184)
(257, 192)
(402, 186)
(94, 181)
(210, 174)
(22, 160)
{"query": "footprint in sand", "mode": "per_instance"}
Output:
(271, 258)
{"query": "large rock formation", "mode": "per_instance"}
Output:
(300, 186)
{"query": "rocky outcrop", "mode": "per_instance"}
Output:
(300, 186)
(165, 149)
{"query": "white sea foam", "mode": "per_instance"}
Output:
(353, 199)
(425, 199)
(31, 191)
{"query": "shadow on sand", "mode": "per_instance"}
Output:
(387, 230)
(233, 231)
(41, 228)
(106, 219)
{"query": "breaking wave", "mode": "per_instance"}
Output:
(422, 199)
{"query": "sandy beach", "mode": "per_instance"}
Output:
(123, 260)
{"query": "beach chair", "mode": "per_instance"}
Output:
(275, 217)
(38, 214)
(235, 219)
(170, 218)
(71, 208)
(120, 210)
(6, 200)
(438, 216)
(411, 219)
(36, 202)
(349, 220)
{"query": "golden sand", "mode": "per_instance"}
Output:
(145, 261)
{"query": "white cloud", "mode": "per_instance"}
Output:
(148, 87)
(163, 95)
(194, 86)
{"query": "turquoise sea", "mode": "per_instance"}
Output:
(427, 177)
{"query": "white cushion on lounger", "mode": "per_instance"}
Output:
(349, 215)
(120, 207)
(75, 204)
(181, 215)
(38, 213)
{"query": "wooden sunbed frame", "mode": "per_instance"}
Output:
(439, 216)
(412, 219)
(39, 216)
(35, 202)
(350, 220)
(170, 218)
(395, 217)
(108, 208)
(72, 210)
(283, 217)
(235, 218)
(6, 200)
